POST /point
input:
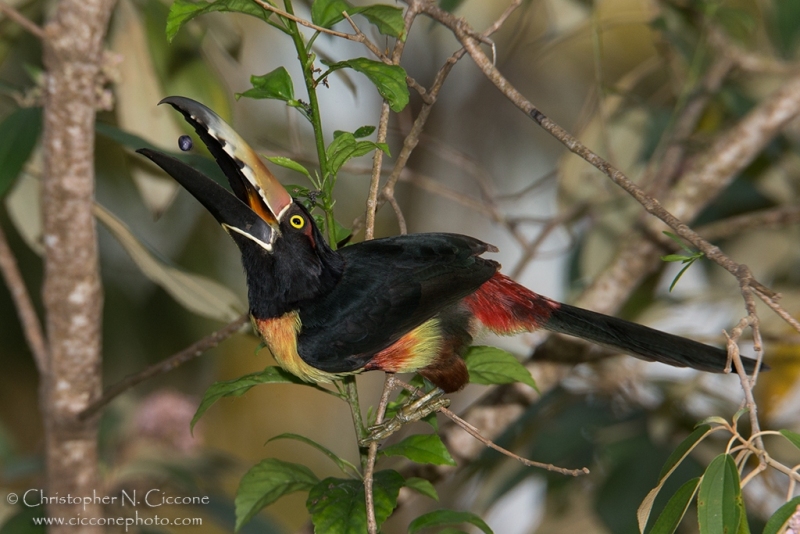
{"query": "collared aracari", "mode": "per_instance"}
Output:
(399, 304)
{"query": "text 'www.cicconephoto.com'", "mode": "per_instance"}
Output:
(128, 502)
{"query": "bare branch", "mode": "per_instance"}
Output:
(732, 152)
(22, 20)
(761, 220)
(375, 181)
(358, 37)
(31, 326)
(388, 387)
(475, 433)
(164, 366)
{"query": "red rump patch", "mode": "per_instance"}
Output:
(397, 357)
(505, 307)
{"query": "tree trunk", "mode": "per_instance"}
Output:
(73, 299)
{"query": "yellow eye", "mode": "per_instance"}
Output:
(297, 221)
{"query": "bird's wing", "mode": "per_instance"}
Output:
(389, 287)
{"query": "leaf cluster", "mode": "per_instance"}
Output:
(717, 493)
(337, 505)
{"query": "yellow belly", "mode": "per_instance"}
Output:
(280, 335)
(413, 351)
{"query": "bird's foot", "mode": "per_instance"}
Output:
(408, 413)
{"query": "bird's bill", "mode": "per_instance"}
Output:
(233, 214)
(250, 179)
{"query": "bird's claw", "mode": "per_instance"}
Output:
(408, 413)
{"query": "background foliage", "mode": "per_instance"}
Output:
(622, 75)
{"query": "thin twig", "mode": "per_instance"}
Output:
(429, 99)
(362, 38)
(782, 108)
(474, 432)
(22, 20)
(359, 37)
(179, 358)
(31, 326)
(375, 181)
(757, 220)
(371, 208)
(372, 455)
(771, 301)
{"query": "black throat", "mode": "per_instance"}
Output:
(295, 273)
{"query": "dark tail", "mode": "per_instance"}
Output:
(640, 341)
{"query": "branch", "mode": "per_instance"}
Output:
(383, 125)
(359, 37)
(474, 432)
(164, 366)
(22, 20)
(31, 327)
(388, 387)
(729, 154)
(429, 99)
(771, 218)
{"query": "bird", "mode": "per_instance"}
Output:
(400, 304)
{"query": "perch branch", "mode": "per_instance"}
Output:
(474, 432)
(179, 358)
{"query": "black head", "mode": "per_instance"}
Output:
(286, 259)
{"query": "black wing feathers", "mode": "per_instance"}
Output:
(389, 287)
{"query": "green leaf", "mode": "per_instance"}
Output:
(675, 257)
(744, 525)
(239, 386)
(345, 147)
(675, 459)
(390, 80)
(268, 481)
(276, 84)
(740, 412)
(196, 293)
(182, 11)
(794, 437)
(364, 131)
(388, 19)
(680, 273)
(340, 231)
(713, 419)
(289, 164)
(421, 448)
(490, 365)
(778, 521)
(682, 451)
(18, 134)
(718, 511)
(343, 464)
(422, 486)
(432, 420)
(679, 241)
(676, 507)
(441, 518)
(337, 505)
(326, 13)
